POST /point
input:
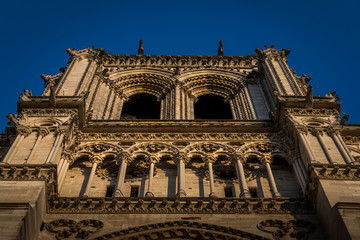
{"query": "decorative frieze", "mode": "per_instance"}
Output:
(335, 171)
(185, 63)
(163, 205)
(180, 136)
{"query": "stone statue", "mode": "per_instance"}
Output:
(309, 94)
(221, 50)
(141, 48)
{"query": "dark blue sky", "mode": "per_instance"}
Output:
(322, 35)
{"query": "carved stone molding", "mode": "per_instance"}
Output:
(312, 112)
(180, 230)
(183, 62)
(180, 136)
(293, 229)
(163, 205)
(65, 228)
(31, 172)
(332, 171)
(351, 139)
(34, 112)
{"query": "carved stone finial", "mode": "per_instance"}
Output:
(286, 51)
(141, 48)
(269, 47)
(221, 50)
(25, 95)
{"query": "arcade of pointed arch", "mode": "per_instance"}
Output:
(158, 149)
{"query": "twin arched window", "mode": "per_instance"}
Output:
(146, 106)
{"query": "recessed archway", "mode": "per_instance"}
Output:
(211, 106)
(141, 106)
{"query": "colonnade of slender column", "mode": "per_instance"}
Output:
(95, 161)
(181, 176)
(121, 178)
(266, 160)
(153, 160)
(244, 190)
(181, 160)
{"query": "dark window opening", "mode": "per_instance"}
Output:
(141, 106)
(211, 106)
(254, 160)
(280, 161)
(253, 192)
(228, 192)
(109, 191)
(134, 191)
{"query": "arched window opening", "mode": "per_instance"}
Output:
(211, 106)
(141, 106)
(284, 178)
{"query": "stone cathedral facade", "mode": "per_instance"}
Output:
(179, 147)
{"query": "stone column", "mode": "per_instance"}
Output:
(181, 159)
(318, 134)
(95, 161)
(244, 190)
(177, 103)
(342, 147)
(210, 161)
(302, 134)
(42, 133)
(121, 176)
(55, 149)
(62, 174)
(22, 133)
(266, 160)
(153, 160)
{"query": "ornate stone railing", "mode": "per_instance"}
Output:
(166, 205)
(335, 171)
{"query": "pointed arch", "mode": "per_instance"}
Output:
(153, 148)
(209, 148)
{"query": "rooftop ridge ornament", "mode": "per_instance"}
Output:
(221, 50)
(141, 48)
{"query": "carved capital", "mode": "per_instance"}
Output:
(237, 157)
(43, 131)
(317, 132)
(96, 159)
(266, 159)
(153, 159)
(183, 157)
(24, 131)
(125, 156)
(209, 159)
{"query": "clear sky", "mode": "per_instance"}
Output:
(322, 35)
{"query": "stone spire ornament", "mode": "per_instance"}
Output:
(221, 50)
(141, 48)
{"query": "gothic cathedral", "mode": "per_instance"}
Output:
(179, 147)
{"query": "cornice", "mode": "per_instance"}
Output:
(335, 172)
(166, 205)
(180, 126)
(182, 62)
